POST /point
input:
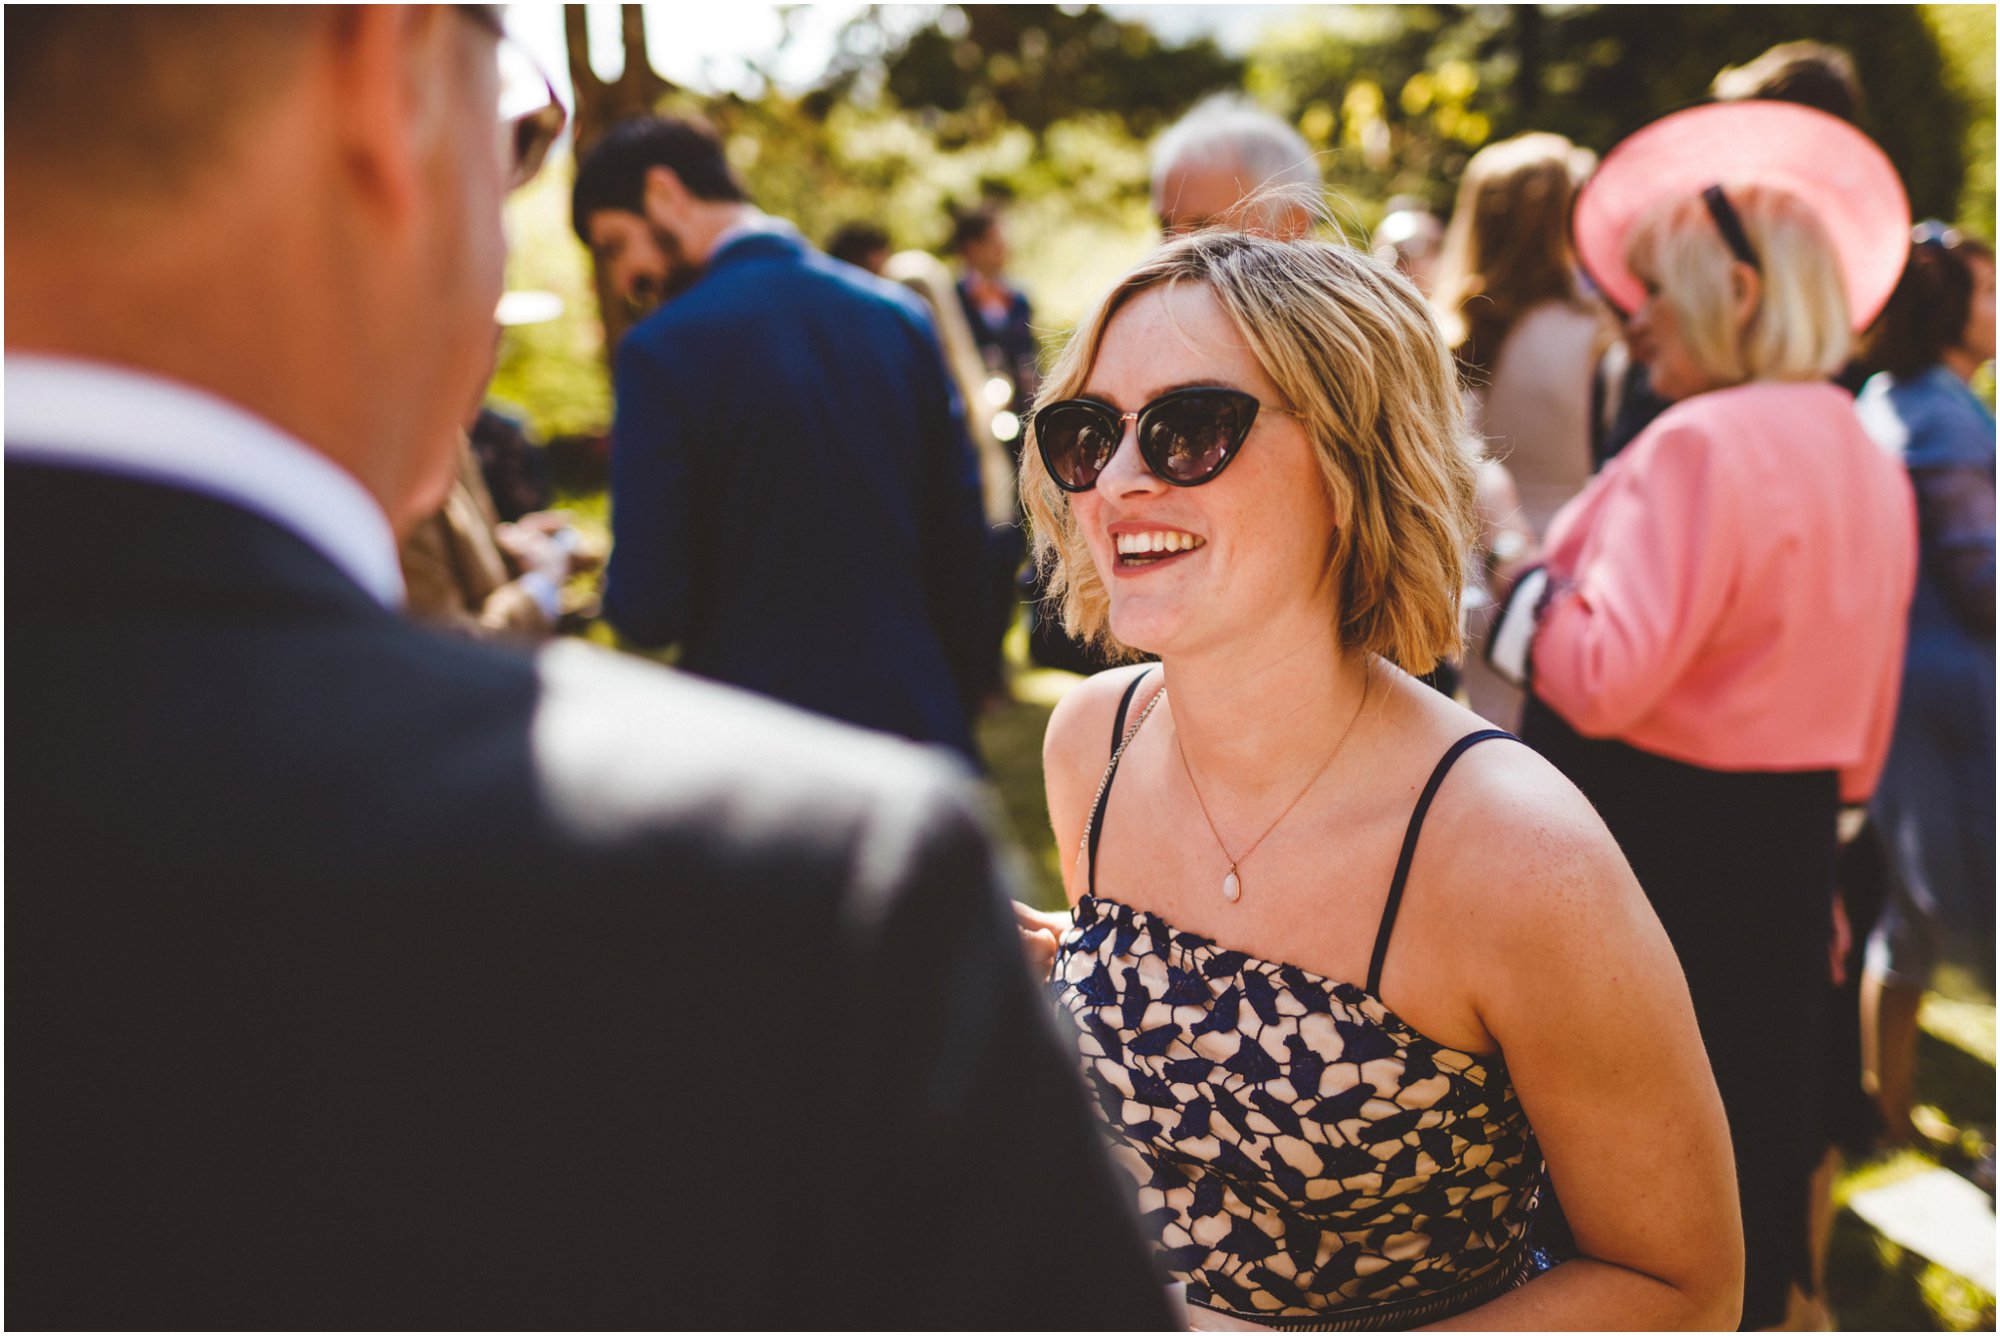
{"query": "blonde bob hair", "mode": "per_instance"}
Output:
(1798, 330)
(1352, 347)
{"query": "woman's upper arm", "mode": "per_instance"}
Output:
(1651, 579)
(1075, 750)
(1583, 991)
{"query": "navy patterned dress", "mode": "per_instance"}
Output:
(1304, 1157)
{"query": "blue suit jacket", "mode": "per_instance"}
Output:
(794, 499)
(382, 981)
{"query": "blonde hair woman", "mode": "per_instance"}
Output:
(1343, 1062)
(1718, 630)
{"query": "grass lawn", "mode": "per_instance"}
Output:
(1872, 1284)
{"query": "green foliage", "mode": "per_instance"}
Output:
(1396, 100)
(1051, 106)
(553, 371)
(983, 66)
(1079, 215)
(1965, 33)
(1404, 96)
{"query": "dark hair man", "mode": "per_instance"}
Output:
(861, 244)
(794, 498)
(1812, 74)
(366, 978)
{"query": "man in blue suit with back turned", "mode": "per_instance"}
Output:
(361, 977)
(794, 500)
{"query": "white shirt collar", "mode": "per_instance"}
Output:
(754, 222)
(109, 419)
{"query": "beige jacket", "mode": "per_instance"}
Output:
(457, 575)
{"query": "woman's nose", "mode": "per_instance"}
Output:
(1127, 471)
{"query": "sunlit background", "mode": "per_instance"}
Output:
(895, 113)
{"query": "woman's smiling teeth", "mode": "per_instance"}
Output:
(1153, 545)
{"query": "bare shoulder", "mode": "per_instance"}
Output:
(1079, 731)
(1077, 746)
(1523, 858)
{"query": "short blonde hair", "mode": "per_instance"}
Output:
(1799, 330)
(1352, 347)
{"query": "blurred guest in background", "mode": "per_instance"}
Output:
(998, 312)
(1718, 630)
(512, 461)
(1809, 74)
(1934, 809)
(512, 456)
(1527, 340)
(926, 275)
(481, 568)
(1410, 237)
(1519, 323)
(861, 244)
(930, 278)
(468, 570)
(794, 500)
(1229, 163)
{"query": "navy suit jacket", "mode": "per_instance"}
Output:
(360, 978)
(794, 498)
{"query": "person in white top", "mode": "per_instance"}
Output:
(1527, 341)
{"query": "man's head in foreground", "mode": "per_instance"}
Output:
(651, 199)
(296, 209)
(1227, 162)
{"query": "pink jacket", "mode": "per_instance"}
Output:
(1733, 589)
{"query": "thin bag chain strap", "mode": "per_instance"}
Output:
(1083, 849)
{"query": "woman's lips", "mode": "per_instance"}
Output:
(1139, 550)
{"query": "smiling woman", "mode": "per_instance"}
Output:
(1345, 1066)
(1326, 373)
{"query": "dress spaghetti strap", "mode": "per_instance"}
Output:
(1444, 765)
(1104, 787)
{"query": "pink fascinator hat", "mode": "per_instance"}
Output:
(1846, 180)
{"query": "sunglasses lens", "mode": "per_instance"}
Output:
(1077, 441)
(1190, 438)
(534, 134)
(531, 115)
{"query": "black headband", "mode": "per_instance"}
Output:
(1731, 227)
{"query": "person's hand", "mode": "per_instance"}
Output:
(585, 553)
(1041, 935)
(545, 521)
(536, 547)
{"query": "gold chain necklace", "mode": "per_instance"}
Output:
(1232, 882)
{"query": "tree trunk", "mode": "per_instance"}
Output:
(636, 91)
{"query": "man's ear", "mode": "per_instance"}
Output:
(385, 64)
(666, 196)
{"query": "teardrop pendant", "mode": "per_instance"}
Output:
(1232, 889)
